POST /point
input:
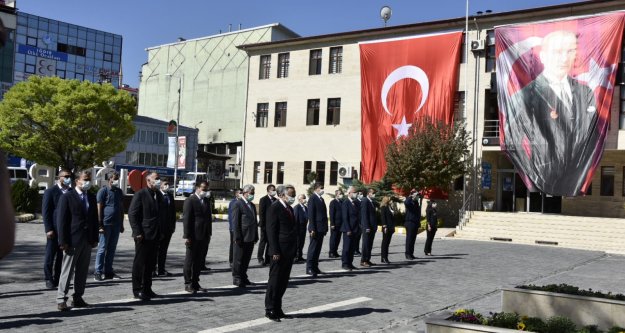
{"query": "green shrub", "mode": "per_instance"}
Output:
(534, 324)
(616, 329)
(559, 324)
(24, 197)
(572, 290)
(590, 329)
(504, 320)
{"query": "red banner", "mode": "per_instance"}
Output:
(402, 79)
(555, 82)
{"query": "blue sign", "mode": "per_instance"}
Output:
(41, 53)
(487, 177)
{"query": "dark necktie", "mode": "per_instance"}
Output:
(288, 210)
(85, 204)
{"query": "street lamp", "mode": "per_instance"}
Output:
(177, 133)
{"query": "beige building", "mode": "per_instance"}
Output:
(304, 114)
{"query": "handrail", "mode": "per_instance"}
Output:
(464, 211)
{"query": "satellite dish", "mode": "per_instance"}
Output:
(385, 14)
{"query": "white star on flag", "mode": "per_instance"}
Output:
(597, 76)
(402, 128)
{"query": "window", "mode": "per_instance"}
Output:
(256, 172)
(265, 67)
(142, 136)
(312, 112)
(336, 60)
(71, 49)
(262, 114)
(283, 65)
(334, 111)
(607, 181)
(490, 51)
(334, 172)
(280, 173)
(268, 172)
(280, 117)
(307, 170)
(458, 183)
(141, 158)
(108, 56)
(315, 62)
(459, 105)
(30, 69)
(321, 172)
(32, 41)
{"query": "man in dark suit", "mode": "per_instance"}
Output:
(237, 196)
(335, 224)
(358, 202)
(301, 217)
(263, 205)
(349, 228)
(244, 218)
(553, 135)
(369, 226)
(145, 220)
(168, 227)
(412, 222)
(317, 227)
(54, 255)
(198, 228)
(282, 237)
(77, 223)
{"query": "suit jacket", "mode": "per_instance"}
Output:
(263, 206)
(73, 222)
(197, 219)
(351, 217)
(244, 222)
(281, 229)
(301, 215)
(145, 215)
(336, 215)
(413, 211)
(388, 219)
(49, 204)
(168, 214)
(317, 215)
(432, 217)
(230, 210)
(368, 220)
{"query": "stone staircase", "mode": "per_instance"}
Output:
(578, 232)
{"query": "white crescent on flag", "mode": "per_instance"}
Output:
(406, 72)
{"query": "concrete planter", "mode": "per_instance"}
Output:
(583, 311)
(448, 326)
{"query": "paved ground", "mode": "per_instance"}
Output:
(393, 298)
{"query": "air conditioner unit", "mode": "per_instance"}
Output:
(477, 45)
(345, 171)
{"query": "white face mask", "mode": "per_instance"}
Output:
(272, 193)
(321, 192)
(340, 196)
(157, 183)
(115, 183)
(86, 185)
(165, 188)
(434, 205)
(372, 196)
(290, 200)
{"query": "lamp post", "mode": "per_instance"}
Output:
(177, 134)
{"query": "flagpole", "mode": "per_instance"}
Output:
(466, 83)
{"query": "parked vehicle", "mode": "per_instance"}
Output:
(186, 184)
(17, 173)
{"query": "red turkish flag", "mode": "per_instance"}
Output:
(403, 79)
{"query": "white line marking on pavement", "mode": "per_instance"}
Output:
(261, 321)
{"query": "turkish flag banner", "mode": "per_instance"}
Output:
(555, 81)
(402, 79)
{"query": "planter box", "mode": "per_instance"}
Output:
(582, 310)
(448, 326)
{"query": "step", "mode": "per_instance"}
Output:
(531, 239)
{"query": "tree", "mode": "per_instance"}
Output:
(65, 123)
(431, 156)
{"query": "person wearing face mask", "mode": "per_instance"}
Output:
(77, 222)
(335, 224)
(317, 228)
(412, 222)
(111, 221)
(350, 227)
(144, 215)
(432, 225)
(245, 236)
(369, 226)
(282, 239)
(168, 226)
(54, 256)
(197, 221)
(387, 212)
(301, 217)
(237, 196)
(263, 205)
(358, 202)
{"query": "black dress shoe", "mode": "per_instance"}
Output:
(272, 316)
(238, 283)
(332, 255)
(249, 283)
(318, 271)
(346, 267)
(142, 296)
(410, 257)
(190, 289)
(371, 264)
(78, 302)
(62, 307)
(357, 253)
(384, 260)
(353, 267)
(49, 284)
(151, 294)
(205, 268)
(164, 273)
(311, 273)
(283, 315)
(261, 262)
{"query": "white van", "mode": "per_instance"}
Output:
(16, 173)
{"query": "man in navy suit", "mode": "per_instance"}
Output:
(263, 206)
(198, 226)
(168, 227)
(335, 224)
(237, 196)
(358, 237)
(245, 222)
(317, 227)
(369, 225)
(412, 222)
(349, 228)
(77, 223)
(301, 217)
(54, 255)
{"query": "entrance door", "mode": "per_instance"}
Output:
(505, 191)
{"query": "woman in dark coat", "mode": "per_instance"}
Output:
(388, 226)
(432, 224)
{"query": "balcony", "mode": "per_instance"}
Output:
(491, 133)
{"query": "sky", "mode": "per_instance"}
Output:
(147, 23)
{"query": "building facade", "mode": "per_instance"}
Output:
(304, 115)
(203, 81)
(8, 15)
